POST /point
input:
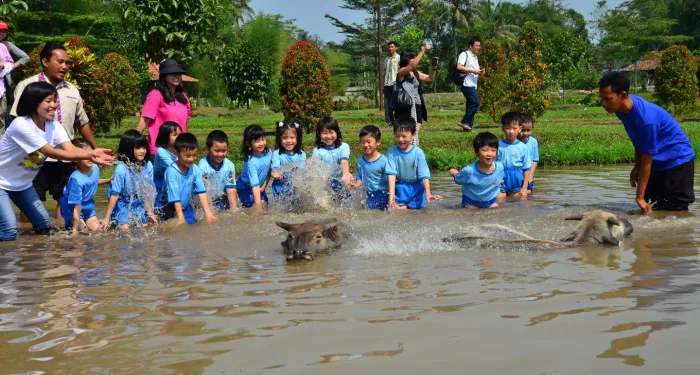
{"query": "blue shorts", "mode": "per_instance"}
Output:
(67, 213)
(168, 212)
(128, 212)
(513, 178)
(531, 186)
(221, 203)
(284, 191)
(466, 201)
(410, 194)
(339, 189)
(377, 200)
(245, 193)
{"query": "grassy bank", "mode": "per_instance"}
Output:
(566, 136)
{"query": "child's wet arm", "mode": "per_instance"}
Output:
(232, 195)
(178, 211)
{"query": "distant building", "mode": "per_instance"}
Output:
(646, 64)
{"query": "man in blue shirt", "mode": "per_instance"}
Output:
(664, 165)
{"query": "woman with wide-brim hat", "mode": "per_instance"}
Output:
(166, 102)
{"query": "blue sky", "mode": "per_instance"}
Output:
(309, 14)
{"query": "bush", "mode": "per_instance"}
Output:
(110, 90)
(493, 85)
(676, 80)
(529, 75)
(305, 91)
(115, 94)
(241, 68)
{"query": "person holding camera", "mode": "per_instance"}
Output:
(409, 77)
(468, 63)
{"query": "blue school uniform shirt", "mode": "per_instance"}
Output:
(161, 162)
(255, 170)
(81, 189)
(224, 177)
(180, 187)
(534, 148)
(407, 166)
(479, 186)
(372, 174)
(281, 158)
(333, 156)
(514, 154)
(654, 131)
(125, 180)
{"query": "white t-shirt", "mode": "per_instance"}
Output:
(20, 159)
(470, 61)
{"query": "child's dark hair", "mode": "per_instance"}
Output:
(80, 143)
(164, 132)
(372, 131)
(328, 123)
(186, 142)
(216, 136)
(130, 140)
(526, 118)
(281, 128)
(405, 123)
(251, 133)
(510, 118)
(485, 139)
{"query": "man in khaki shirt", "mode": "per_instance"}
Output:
(53, 175)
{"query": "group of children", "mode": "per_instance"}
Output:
(398, 180)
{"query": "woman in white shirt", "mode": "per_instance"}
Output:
(29, 140)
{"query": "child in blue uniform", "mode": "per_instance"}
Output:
(132, 178)
(481, 180)
(256, 168)
(371, 169)
(77, 204)
(219, 172)
(515, 157)
(183, 179)
(408, 176)
(527, 123)
(287, 157)
(165, 154)
(331, 149)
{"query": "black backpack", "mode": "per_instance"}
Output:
(457, 77)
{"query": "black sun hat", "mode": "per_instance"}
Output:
(169, 66)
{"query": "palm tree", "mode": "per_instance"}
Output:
(241, 10)
(497, 24)
(462, 15)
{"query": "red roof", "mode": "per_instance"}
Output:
(153, 71)
(646, 63)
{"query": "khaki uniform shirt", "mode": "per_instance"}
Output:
(392, 69)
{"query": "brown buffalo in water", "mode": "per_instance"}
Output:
(308, 239)
(596, 228)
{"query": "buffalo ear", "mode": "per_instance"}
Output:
(576, 217)
(283, 225)
(613, 221)
(569, 237)
(609, 239)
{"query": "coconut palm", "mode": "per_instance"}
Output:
(497, 23)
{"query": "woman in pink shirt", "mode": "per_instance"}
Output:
(166, 102)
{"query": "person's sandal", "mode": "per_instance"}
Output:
(466, 128)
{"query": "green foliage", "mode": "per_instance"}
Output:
(181, 29)
(529, 75)
(115, 93)
(305, 92)
(493, 85)
(338, 65)
(676, 80)
(110, 89)
(563, 52)
(9, 8)
(245, 77)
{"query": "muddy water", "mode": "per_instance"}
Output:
(221, 299)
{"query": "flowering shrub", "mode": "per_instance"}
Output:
(494, 84)
(110, 89)
(529, 75)
(676, 80)
(305, 91)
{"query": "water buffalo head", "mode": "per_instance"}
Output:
(308, 239)
(598, 227)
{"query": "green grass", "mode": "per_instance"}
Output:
(566, 137)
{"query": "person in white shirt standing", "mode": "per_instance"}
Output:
(392, 69)
(468, 63)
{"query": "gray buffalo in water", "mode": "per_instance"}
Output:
(596, 228)
(308, 239)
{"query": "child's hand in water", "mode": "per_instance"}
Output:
(433, 197)
(212, 219)
(182, 222)
(347, 178)
(523, 192)
(276, 175)
(453, 172)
